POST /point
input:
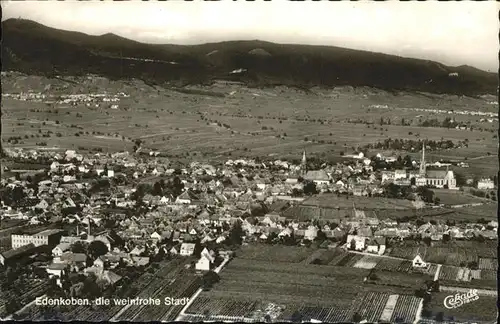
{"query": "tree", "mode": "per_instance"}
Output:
(176, 186)
(209, 279)
(97, 248)
(352, 244)
(297, 317)
(137, 144)
(310, 188)
(236, 234)
(91, 288)
(157, 189)
(373, 276)
(79, 247)
(426, 194)
(473, 265)
(321, 236)
(427, 240)
(198, 248)
(460, 179)
(393, 191)
(356, 317)
(272, 237)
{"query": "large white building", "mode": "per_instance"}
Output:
(47, 237)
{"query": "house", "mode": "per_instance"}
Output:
(319, 177)
(164, 200)
(365, 231)
(43, 205)
(173, 251)
(310, 233)
(139, 261)
(400, 174)
(57, 269)
(355, 242)
(138, 250)
(286, 232)
(360, 191)
(110, 277)
(60, 249)
(99, 262)
(376, 245)
(485, 184)
(187, 249)
(187, 198)
(418, 262)
(76, 261)
(206, 260)
(156, 236)
(54, 166)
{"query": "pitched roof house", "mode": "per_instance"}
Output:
(187, 249)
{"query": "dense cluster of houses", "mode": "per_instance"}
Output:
(90, 99)
(99, 198)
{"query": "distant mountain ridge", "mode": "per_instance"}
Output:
(33, 48)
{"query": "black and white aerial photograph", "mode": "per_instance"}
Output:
(250, 162)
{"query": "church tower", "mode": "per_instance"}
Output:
(422, 162)
(303, 165)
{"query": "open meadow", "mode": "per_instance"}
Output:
(277, 122)
(457, 197)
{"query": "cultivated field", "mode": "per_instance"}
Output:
(329, 285)
(334, 201)
(275, 253)
(457, 253)
(277, 121)
(313, 291)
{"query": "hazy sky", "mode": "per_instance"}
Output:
(453, 33)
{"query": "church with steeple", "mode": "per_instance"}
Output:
(434, 178)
